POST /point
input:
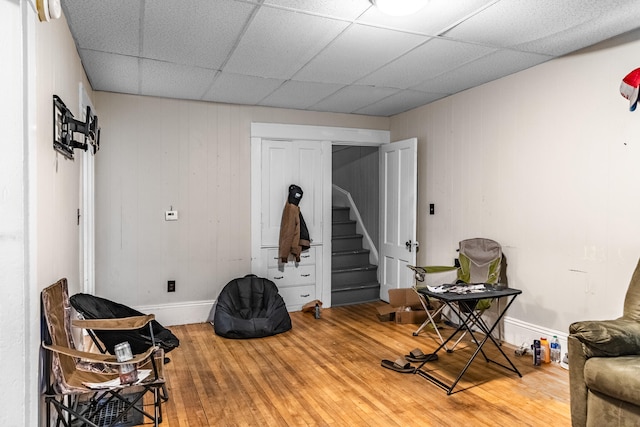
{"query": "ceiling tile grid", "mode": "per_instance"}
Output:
(241, 89)
(419, 64)
(111, 72)
(199, 33)
(356, 52)
(328, 55)
(300, 95)
(278, 43)
(165, 79)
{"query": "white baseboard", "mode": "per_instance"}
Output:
(180, 313)
(518, 332)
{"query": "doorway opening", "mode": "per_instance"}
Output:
(355, 224)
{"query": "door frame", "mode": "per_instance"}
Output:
(87, 208)
(327, 136)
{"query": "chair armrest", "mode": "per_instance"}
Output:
(107, 359)
(577, 386)
(116, 324)
(607, 338)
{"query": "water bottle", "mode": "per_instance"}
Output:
(555, 350)
(559, 349)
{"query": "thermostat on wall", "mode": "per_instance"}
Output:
(171, 216)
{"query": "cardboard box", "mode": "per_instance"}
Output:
(404, 307)
(411, 316)
(405, 297)
(386, 313)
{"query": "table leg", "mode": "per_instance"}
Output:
(466, 324)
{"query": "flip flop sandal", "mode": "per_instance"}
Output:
(416, 355)
(400, 365)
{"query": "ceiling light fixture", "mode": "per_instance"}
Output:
(399, 7)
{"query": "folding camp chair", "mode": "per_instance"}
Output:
(439, 275)
(93, 307)
(480, 261)
(83, 387)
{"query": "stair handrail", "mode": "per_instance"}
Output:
(342, 198)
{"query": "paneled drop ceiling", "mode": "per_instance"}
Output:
(328, 55)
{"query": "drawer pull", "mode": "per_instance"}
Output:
(306, 275)
(305, 256)
(279, 277)
(305, 295)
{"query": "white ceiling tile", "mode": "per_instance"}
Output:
(357, 52)
(516, 22)
(399, 103)
(88, 19)
(111, 72)
(200, 33)
(343, 9)
(299, 95)
(482, 70)
(425, 62)
(174, 80)
(437, 16)
(609, 19)
(278, 43)
(352, 98)
(240, 89)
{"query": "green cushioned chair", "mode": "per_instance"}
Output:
(604, 361)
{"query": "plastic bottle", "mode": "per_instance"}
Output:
(555, 350)
(545, 351)
(536, 352)
(317, 311)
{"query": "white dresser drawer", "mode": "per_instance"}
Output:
(292, 276)
(306, 258)
(295, 296)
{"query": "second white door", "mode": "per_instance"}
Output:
(398, 185)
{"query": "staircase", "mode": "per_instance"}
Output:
(353, 279)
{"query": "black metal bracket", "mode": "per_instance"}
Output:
(65, 128)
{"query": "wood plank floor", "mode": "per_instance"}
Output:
(326, 372)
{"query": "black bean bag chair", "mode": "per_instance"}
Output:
(92, 307)
(250, 307)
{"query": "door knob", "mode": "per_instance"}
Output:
(411, 244)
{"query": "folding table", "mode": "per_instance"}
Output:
(469, 318)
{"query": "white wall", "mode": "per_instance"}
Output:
(59, 72)
(39, 194)
(195, 157)
(18, 395)
(546, 162)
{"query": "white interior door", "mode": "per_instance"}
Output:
(398, 186)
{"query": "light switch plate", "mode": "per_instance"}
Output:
(171, 216)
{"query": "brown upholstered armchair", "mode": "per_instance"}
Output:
(604, 366)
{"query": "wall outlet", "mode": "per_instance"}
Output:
(171, 286)
(171, 216)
